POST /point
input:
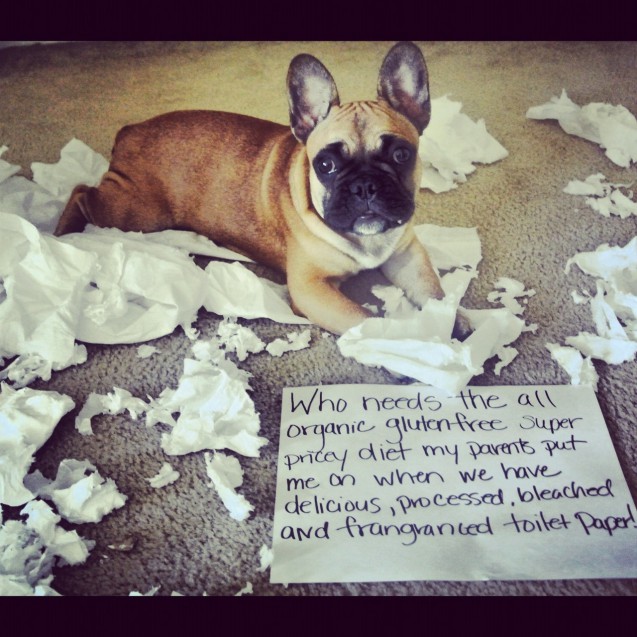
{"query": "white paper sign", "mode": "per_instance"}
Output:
(390, 483)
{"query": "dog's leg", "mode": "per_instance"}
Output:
(74, 216)
(411, 270)
(321, 301)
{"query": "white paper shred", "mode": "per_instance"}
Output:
(215, 411)
(265, 558)
(508, 291)
(246, 590)
(226, 476)
(580, 369)
(239, 339)
(613, 311)
(79, 492)
(150, 593)
(451, 144)
(166, 475)
(294, 342)
(603, 197)
(30, 549)
(614, 128)
(236, 291)
(146, 351)
(418, 343)
(27, 420)
(116, 402)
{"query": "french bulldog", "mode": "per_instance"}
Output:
(320, 200)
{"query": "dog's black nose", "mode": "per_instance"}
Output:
(363, 188)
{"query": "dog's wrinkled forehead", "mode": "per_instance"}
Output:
(360, 127)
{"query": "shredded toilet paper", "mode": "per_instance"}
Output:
(166, 475)
(27, 420)
(79, 492)
(614, 128)
(451, 144)
(613, 308)
(226, 475)
(605, 198)
(215, 410)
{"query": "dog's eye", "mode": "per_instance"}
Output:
(326, 166)
(401, 155)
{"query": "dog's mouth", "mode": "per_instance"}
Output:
(370, 223)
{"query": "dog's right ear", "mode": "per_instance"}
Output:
(311, 94)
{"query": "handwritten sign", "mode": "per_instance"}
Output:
(388, 483)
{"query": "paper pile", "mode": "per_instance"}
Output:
(29, 549)
(605, 198)
(451, 144)
(614, 128)
(613, 310)
(418, 343)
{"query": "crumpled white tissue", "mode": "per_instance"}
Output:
(451, 144)
(605, 198)
(30, 549)
(44, 281)
(166, 475)
(418, 343)
(226, 475)
(613, 309)
(238, 339)
(614, 128)
(27, 420)
(41, 201)
(114, 403)
(236, 291)
(294, 342)
(79, 492)
(215, 411)
(507, 292)
(580, 368)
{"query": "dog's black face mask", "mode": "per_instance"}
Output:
(368, 193)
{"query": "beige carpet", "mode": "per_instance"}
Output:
(185, 540)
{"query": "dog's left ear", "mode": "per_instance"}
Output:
(311, 94)
(404, 83)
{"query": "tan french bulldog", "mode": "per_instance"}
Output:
(331, 197)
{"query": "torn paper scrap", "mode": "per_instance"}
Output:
(615, 269)
(116, 402)
(265, 558)
(246, 590)
(605, 198)
(236, 291)
(27, 420)
(44, 280)
(150, 593)
(614, 128)
(451, 144)
(294, 342)
(580, 369)
(421, 347)
(507, 292)
(226, 475)
(30, 549)
(167, 475)
(215, 411)
(79, 492)
(238, 339)
(611, 350)
(28, 367)
(146, 351)
(78, 164)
